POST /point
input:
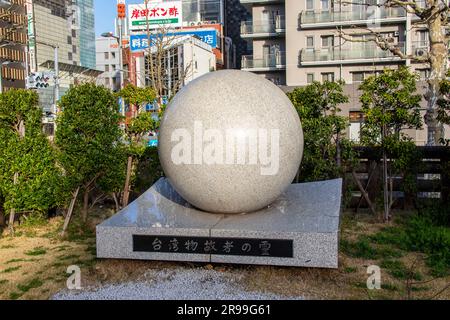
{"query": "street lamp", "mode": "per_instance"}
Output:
(119, 40)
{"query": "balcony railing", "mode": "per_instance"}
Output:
(269, 61)
(347, 55)
(350, 17)
(260, 28)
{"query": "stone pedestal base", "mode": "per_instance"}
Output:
(299, 229)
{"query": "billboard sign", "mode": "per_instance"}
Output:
(139, 42)
(31, 36)
(158, 14)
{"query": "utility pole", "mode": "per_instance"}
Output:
(55, 110)
(121, 15)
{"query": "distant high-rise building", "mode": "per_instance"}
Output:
(87, 33)
(235, 12)
(13, 39)
(69, 26)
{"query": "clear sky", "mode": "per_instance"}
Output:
(105, 12)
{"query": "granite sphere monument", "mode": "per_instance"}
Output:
(230, 142)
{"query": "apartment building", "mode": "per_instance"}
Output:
(187, 59)
(108, 62)
(296, 42)
(266, 37)
(13, 40)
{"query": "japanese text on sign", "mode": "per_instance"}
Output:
(214, 246)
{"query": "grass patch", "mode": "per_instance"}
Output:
(12, 269)
(69, 257)
(35, 283)
(350, 269)
(389, 287)
(359, 249)
(36, 252)
(422, 235)
(15, 260)
(8, 246)
(61, 248)
(398, 270)
(15, 295)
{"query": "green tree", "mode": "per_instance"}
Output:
(30, 179)
(444, 105)
(135, 131)
(390, 106)
(326, 149)
(89, 139)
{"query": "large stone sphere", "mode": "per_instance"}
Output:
(230, 142)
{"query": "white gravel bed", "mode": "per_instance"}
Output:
(178, 284)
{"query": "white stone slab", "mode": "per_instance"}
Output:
(306, 214)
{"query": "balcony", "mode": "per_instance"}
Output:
(260, 1)
(260, 29)
(270, 62)
(313, 20)
(360, 54)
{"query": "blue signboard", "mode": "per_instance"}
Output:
(139, 42)
(153, 143)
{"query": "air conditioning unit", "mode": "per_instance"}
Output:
(421, 52)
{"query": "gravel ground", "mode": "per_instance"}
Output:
(178, 284)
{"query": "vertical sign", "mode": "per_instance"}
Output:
(121, 9)
(31, 36)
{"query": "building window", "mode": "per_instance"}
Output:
(327, 41)
(113, 66)
(309, 5)
(106, 68)
(69, 40)
(74, 49)
(356, 119)
(113, 55)
(310, 42)
(325, 5)
(309, 78)
(106, 55)
(328, 76)
(70, 56)
(357, 77)
(74, 33)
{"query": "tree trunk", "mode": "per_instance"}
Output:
(338, 150)
(2, 219)
(12, 214)
(126, 189)
(70, 211)
(438, 66)
(84, 212)
(116, 201)
(385, 187)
